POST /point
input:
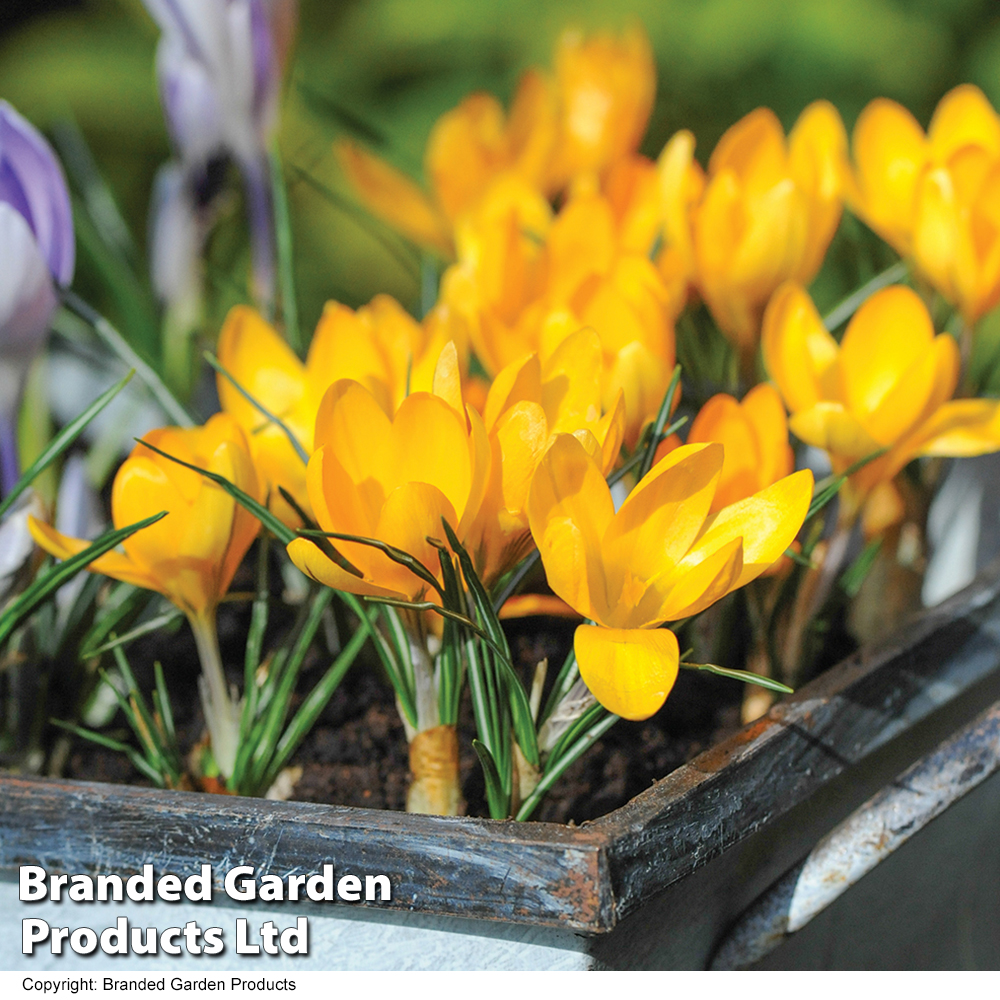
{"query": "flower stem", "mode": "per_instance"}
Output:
(222, 715)
(435, 790)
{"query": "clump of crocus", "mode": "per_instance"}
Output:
(662, 557)
(37, 250)
(525, 280)
(765, 212)
(379, 345)
(189, 556)
(562, 130)
(886, 386)
(933, 197)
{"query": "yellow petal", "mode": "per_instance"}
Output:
(467, 148)
(448, 378)
(885, 338)
(308, 557)
(680, 183)
(352, 423)
(722, 419)
(764, 410)
(799, 353)
(834, 428)
(263, 364)
(392, 196)
(629, 671)
(754, 149)
(114, 564)
(767, 522)
(663, 515)
(889, 150)
(571, 383)
(693, 586)
(963, 117)
(569, 508)
(960, 428)
(520, 380)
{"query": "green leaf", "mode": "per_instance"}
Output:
(827, 489)
(259, 407)
(160, 621)
(62, 441)
(854, 576)
(565, 679)
(496, 798)
(50, 581)
(844, 310)
(554, 771)
(120, 346)
(283, 240)
(312, 705)
(661, 419)
(740, 675)
(138, 761)
(396, 555)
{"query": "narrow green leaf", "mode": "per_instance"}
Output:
(619, 474)
(844, 310)
(312, 705)
(826, 489)
(138, 761)
(320, 539)
(283, 240)
(160, 621)
(571, 754)
(120, 346)
(396, 555)
(259, 407)
(746, 676)
(164, 707)
(854, 576)
(495, 796)
(565, 679)
(62, 441)
(660, 423)
(50, 581)
(124, 604)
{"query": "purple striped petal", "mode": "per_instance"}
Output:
(32, 182)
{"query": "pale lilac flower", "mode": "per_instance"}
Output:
(37, 249)
(219, 64)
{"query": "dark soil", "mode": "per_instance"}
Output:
(357, 753)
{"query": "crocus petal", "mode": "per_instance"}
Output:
(799, 353)
(963, 117)
(27, 302)
(392, 196)
(886, 336)
(697, 584)
(32, 181)
(447, 383)
(764, 410)
(629, 671)
(960, 428)
(308, 557)
(832, 427)
(569, 508)
(889, 150)
(663, 515)
(767, 522)
(114, 564)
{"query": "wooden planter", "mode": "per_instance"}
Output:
(658, 883)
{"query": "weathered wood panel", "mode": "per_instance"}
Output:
(784, 780)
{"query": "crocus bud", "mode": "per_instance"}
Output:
(37, 248)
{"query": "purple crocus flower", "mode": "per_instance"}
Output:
(37, 249)
(219, 63)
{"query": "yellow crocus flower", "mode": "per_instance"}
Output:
(605, 86)
(888, 385)
(529, 402)
(662, 557)
(525, 281)
(379, 345)
(189, 556)
(765, 213)
(392, 477)
(936, 197)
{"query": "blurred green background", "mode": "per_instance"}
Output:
(383, 70)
